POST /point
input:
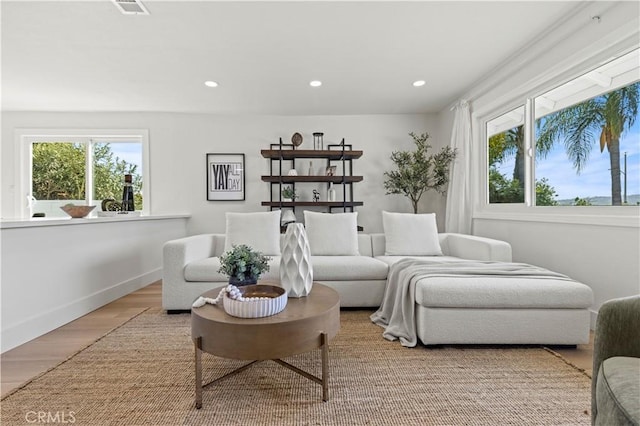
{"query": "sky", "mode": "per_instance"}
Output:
(595, 178)
(130, 152)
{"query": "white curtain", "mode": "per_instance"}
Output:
(458, 218)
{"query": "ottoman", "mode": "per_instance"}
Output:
(502, 310)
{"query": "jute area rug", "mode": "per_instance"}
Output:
(143, 374)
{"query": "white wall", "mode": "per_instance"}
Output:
(602, 255)
(179, 142)
(54, 274)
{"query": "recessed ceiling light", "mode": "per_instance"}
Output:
(210, 83)
(419, 83)
(315, 83)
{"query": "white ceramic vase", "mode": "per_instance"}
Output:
(296, 273)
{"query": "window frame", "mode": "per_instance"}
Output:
(26, 137)
(624, 216)
(527, 145)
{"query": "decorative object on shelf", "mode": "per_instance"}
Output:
(418, 171)
(225, 177)
(243, 265)
(282, 158)
(296, 271)
(318, 142)
(252, 301)
(113, 208)
(128, 204)
(288, 216)
(331, 192)
(296, 139)
(292, 172)
(331, 171)
(31, 201)
(111, 205)
(119, 214)
(289, 193)
(316, 195)
(77, 212)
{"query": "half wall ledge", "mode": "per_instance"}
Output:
(38, 222)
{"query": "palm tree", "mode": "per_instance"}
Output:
(609, 115)
(515, 145)
(511, 143)
(506, 144)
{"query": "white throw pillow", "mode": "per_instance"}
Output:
(332, 234)
(408, 234)
(260, 231)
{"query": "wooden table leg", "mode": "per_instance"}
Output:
(198, 351)
(325, 366)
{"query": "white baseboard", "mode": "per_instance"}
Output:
(44, 322)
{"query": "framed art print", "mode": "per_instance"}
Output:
(225, 177)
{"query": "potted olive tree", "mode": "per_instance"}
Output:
(243, 265)
(419, 171)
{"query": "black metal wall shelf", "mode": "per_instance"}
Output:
(342, 154)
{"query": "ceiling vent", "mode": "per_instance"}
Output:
(131, 7)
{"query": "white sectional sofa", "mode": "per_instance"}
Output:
(191, 267)
(491, 310)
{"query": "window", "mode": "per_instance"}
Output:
(81, 170)
(506, 157)
(111, 161)
(586, 139)
(589, 152)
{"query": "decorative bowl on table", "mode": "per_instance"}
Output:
(258, 301)
(77, 212)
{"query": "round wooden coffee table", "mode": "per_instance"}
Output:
(305, 324)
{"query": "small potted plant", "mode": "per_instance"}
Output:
(243, 265)
(289, 194)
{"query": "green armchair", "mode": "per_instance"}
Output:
(615, 386)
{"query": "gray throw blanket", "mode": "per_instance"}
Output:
(397, 311)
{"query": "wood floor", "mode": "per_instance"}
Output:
(39, 355)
